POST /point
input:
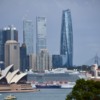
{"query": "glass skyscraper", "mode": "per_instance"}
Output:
(40, 40)
(66, 43)
(40, 34)
(28, 35)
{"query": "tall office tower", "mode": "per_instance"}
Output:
(32, 62)
(40, 39)
(28, 35)
(7, 33)
(1, 46)
(11, 33)
(23, 58)
(12, 53)
(44, 60)
(66, 43)
(40, 34)
(56, 61)
(1, 51)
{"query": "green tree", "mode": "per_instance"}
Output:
(85, 90)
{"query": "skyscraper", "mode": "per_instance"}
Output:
(44, 60)
(23, 58)
(56, 61)
(40, 34)
(40, 40)
(28, 35)
(66, 43)
(11, 33)
(12, 53)
(1, 46)
(7, 33)
(32, 62)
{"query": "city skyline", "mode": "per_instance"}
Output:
(85, 20)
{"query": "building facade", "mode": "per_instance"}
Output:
(28, 35)
(56, 61)
(32, 62)
(10, 33)
(44, 60)
(7, 33)
(66, 43)
(12, 54)
(40, 40)
(23, 58)
(40, 34)
(1, 46)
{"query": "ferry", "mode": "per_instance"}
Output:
(68, 85)
(50, 86)
(10, 97)
(54, 85)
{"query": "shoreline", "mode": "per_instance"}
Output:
(20, 91)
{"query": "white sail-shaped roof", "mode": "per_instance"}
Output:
(5, 71)
(10, 76)
(18, 77)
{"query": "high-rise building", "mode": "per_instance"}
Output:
(1, 50)
(59, 61)
(23, 58)
(56, 61)
(28, 35)
(66, 43)
(40, 34)
(1, 46)
(40, 39)
(12, 53)
(32, 62)
(10, 33)
(7, 33)
(44, 60)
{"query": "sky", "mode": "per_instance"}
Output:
(85, 20)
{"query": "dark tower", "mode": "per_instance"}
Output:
(23, 58)
(7, 33)
(66, 43)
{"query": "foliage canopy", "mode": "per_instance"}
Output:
(85, 90)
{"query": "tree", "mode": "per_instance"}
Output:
(85, 90)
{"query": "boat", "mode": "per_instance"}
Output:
(68, 85)
(54, 85)
(50, 86)
(10, 97)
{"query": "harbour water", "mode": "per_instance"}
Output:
(43, 94)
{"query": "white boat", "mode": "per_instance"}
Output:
(68, 85)
(33, 85)
(10, 97)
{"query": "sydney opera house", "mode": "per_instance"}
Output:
(14, 81)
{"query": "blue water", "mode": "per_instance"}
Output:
(43, 94)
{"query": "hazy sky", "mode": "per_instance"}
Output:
(85, 20)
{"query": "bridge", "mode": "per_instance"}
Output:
(94, 60)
